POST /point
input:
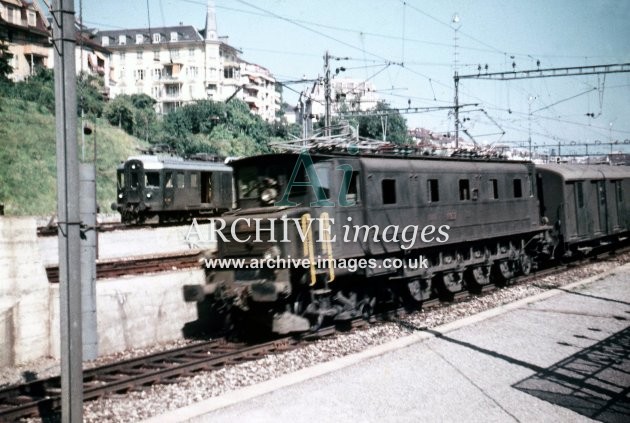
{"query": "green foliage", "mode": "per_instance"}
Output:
(120, 112)
(5, 65)
(90, 98)
(395, 124)
(38, 89)
(28, 158)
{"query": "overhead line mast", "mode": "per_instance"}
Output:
(533, 73)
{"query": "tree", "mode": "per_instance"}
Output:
(90, 91)
(395, 124)
(120, 111)
(5, 62)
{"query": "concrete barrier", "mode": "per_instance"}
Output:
(24, 294)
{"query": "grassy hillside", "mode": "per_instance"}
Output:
(27, 158)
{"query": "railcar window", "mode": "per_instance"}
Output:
(433, 190)
(134, 180)
(464, 189)
(619, 192)
(579, 193)
(121, 180)
(389, 191)
(193, 180)
(169, 180)
(518, 189)
(180, 180)
(493, 185)
(152, 179)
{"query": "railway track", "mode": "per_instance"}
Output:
(137, 265)
(51, 230)
(41, 397)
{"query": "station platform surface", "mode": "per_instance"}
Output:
(562, 357)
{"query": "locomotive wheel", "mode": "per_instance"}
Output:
(504, 271)
(526, 264)
(452, 282)
(420, 290)
(480, 275)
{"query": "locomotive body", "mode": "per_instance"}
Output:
(327, 236)
(171, 189)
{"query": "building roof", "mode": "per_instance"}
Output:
(185, 33)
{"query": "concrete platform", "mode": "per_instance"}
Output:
(562, 356)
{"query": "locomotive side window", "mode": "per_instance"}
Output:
(353, 189)
(579, 194)
(193, 180)
(493, 186)
(169, 180)
(433, 190)
(619, 192)
(518, 189)
(180, 180)
(152, 179)
(464, 189)
(389, 191)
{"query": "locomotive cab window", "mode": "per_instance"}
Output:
(180, 180)
(464, 189)
(168, 180)
(152, 179)
(493, 186)
(388, 187)
(433, 190)
(194, 178)
(518, 189)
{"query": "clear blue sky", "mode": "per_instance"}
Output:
(416, 37)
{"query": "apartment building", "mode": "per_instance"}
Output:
(346, 94)
(176, 65)
(23, 27)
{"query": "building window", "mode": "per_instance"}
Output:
(175, 53)
(433, 190)
(122, 40)
(464, 189)
(191, 52)
(105, 41)
(518, 189)
(156, 38)
(156, 55)
(139, 74)
(388, 187)
(156, 92)
(121, 55)
(139, 38)
(493, 185)
(32, 19)
(139, 55)
(173, 36)
(157, 74)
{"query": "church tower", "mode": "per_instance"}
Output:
(211, 22)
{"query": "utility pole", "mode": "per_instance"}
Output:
(327, 94)
(69, 223)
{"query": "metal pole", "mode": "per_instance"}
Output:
(456, 78)
(64, 43)
(327, 92)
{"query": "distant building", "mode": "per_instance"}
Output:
(178, 65)
(346, 95)
(24, 29)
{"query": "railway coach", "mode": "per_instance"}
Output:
(171, 189)
(588, 206)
